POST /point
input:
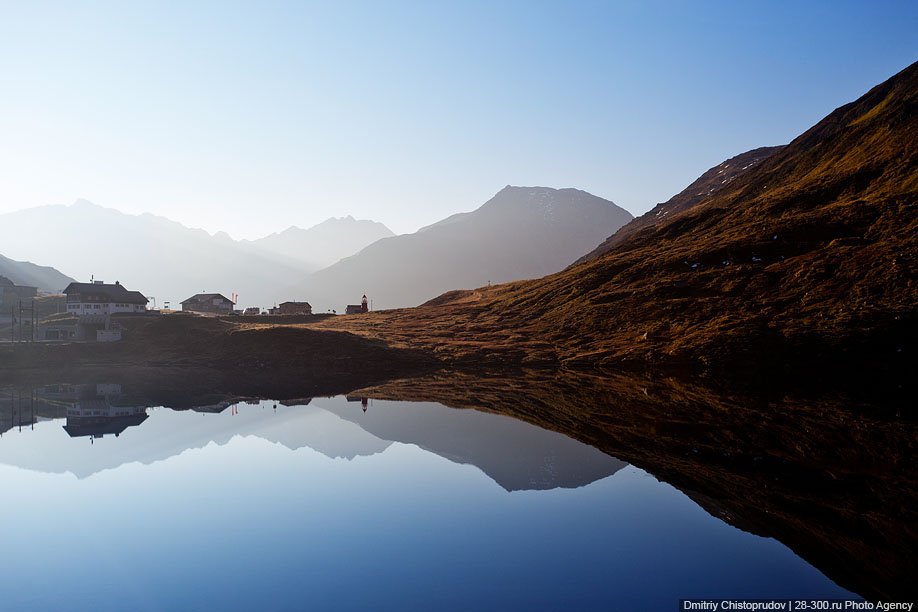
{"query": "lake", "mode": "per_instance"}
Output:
(347, 503)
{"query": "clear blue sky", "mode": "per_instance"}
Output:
(252, 116)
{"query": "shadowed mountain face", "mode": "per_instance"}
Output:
(807, 258)
(522, 232)
(323, 244)
(164, 259)
(47, 279)
(717, 178)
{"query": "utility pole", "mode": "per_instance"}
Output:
(31, 312)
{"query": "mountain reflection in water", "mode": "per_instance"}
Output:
(516, 455)
(323, 487)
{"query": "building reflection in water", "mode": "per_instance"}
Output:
(364, 401)
(92, 411)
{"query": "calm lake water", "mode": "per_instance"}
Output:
(338, 504)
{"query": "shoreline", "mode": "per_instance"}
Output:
(365, 347)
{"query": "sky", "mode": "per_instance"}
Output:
(249, 117)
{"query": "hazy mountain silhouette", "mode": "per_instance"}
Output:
(162, 258)
(522, 232)
(46, 278)
(323, 244)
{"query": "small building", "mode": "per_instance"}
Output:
(293, 308)
(208, 303)
(11, 293)
(357, 308)
(57, 331)
(108, 335)
(252, 311)
(99, 298)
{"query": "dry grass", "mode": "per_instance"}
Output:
(807, 258)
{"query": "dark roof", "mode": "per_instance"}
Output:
(114, 293)
(296, 304)
(205, 297)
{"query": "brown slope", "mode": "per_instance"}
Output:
(807, 259)
(715, 179)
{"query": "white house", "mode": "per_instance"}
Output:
(97, 298)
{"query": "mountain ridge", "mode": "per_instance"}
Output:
(46, 278)
(151, 253)
(521, 232)
(712, 181)
(808, 258)
(325, 243)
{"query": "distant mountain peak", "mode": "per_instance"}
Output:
(87, 205)
(543, 192)
(324, 243)
(347, 220)
(520, 232)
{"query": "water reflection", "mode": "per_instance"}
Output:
(515, 454)
(451, 492)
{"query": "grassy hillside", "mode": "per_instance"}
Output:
(714, 180)
(806, 259)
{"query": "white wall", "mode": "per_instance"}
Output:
(103, 308)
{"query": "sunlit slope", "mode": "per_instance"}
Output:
(809, 255)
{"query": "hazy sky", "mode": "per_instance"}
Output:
(252, 116)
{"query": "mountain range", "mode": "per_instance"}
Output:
(323, 244)
(166, 260)
(520, 233)
(805, 258)
(25, 273)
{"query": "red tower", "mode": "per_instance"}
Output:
(363, 304)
